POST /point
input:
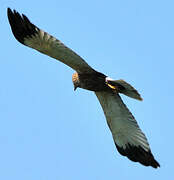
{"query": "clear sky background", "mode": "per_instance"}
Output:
(50, 132)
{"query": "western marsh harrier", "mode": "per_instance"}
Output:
(128, 137)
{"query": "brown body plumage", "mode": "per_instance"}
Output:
(128, 137)
(91, 81)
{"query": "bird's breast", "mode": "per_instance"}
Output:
(93, 81)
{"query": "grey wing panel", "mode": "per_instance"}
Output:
(32, 36)
(128, 137)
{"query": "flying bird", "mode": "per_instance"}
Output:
(130, 141)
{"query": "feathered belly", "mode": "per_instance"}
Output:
(93, 82)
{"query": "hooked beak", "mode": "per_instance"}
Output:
(75, 87)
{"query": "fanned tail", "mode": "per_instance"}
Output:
(125, 88)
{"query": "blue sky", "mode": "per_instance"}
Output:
(50, 132)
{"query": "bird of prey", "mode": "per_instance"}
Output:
(128, 137)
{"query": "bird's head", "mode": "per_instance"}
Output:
(75, 80)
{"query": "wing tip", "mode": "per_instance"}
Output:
(20, 25)
(138, 154)
(139, 98)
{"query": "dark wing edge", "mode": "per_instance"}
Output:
(30, 35)
(20, 25)
(138, 154)
(129, 139)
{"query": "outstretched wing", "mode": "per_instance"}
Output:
(30, 35)
(128, 137)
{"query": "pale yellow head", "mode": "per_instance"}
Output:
(75, 80)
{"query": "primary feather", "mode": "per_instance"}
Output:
(32, 36)
(128, 137)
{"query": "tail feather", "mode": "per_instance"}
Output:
(125, 88)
